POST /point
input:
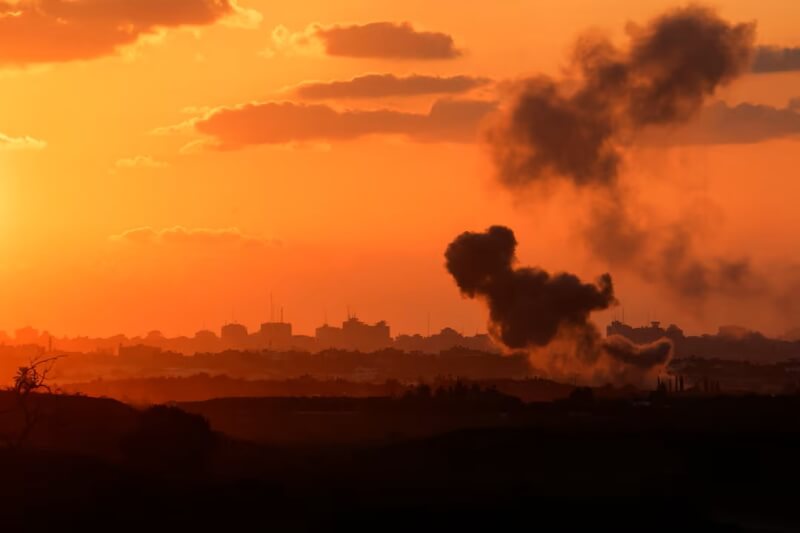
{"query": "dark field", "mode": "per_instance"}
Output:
(475, 462)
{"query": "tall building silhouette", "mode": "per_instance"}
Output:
(355, 335)
(234, 336)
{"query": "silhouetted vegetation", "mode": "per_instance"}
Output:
(26, 409)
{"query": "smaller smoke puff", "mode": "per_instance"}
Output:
(638, 355)
(530, 308)
(527, 306)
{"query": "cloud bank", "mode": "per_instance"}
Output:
(721, 123)
(769, 59)
(385, 40)
(287, 122)
(383, 85)
(51, 31)
(179, 235)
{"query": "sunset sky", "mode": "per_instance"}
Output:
(170, 164)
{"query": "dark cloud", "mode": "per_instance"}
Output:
(775, 59)
(530, 309)
(285, 122)
(546, 134)
(576, 130)
(389, 40)
(48, 31)
(383, 85)
(721, 123)
(550, 130)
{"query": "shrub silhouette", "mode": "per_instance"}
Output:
(170, 441)
(29, 383)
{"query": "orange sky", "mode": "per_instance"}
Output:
(321, 223)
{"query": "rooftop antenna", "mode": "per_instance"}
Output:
(271, 308)
(281, 314)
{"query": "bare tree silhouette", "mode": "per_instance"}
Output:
(29, 382)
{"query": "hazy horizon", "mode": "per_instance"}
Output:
(180, 170)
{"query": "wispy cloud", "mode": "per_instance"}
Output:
(180, 235)
(140, 161)
(385, 85)
(20, 143)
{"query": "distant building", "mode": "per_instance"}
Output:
(155, 338)
(139, 354)
(734, 332)
(304, 343)
(355, 335)
(205, 335)
(276, 335)
(446, 339)
(26, 335)
(365, 338)
(644, 334)
(328, 337)
(234, 336)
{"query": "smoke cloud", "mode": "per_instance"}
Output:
(673, 64)
(638, 355)
(576, 131)
(665, 254)
(531, 309)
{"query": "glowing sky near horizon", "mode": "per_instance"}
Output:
(121, 212)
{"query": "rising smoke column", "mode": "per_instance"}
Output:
(576, 131)
(530, 309)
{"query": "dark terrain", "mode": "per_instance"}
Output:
(478, 460)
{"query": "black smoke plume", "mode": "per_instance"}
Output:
(664, 255)
(672, 65)
(576, 130)
(638, 355)
(530, 308)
